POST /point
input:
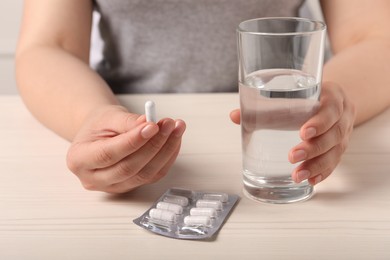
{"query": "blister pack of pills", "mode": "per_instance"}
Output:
(187, 214)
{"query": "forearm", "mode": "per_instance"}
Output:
(362, 71)
(59, 89)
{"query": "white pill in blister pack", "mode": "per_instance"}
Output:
(170, 207)
(188, 214)
(212, 213)
(197, 221)
(215, 204)
(222, 197)
(163, 215)
(180, 200)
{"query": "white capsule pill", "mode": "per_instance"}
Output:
(215, 204)
(180, 200)
(164, 215)
(150, 111)
(170, 206)
(223, 197)
(212, 213)
(197, 221)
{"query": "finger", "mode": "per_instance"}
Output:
(134, 182)
(133, 163)
(158, 167)
(235, 116)
(318, 168)
(108, 151)
(330, 111)
(169, 150)
(339, 133)
(321, 144)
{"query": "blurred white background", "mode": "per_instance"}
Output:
(11, 13)
(10, 18)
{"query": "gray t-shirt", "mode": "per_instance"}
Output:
(158, 46)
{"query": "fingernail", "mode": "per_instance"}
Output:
(310, 133)
(149, 131)
(179, 131)
(303, 175)
(299, 155)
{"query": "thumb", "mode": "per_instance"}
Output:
(109, 150)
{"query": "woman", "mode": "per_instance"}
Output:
(183, 46)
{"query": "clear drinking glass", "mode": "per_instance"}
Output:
(280, 70)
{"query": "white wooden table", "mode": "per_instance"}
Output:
(46, 214)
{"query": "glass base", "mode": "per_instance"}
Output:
(278, 191)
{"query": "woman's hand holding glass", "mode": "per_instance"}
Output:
(325, 136)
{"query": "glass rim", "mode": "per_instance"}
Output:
(320, 26)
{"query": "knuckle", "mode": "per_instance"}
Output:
(317, 147)
(172, 147)
(150, 174)
(125, 170)
(154, 145)
(103, 156)
(322, 125)
(132, 144)
(129, 120)
(145, 176)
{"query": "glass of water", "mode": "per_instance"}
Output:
(280, 70)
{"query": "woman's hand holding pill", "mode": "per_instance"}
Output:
(325, 135)
(116, 151)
